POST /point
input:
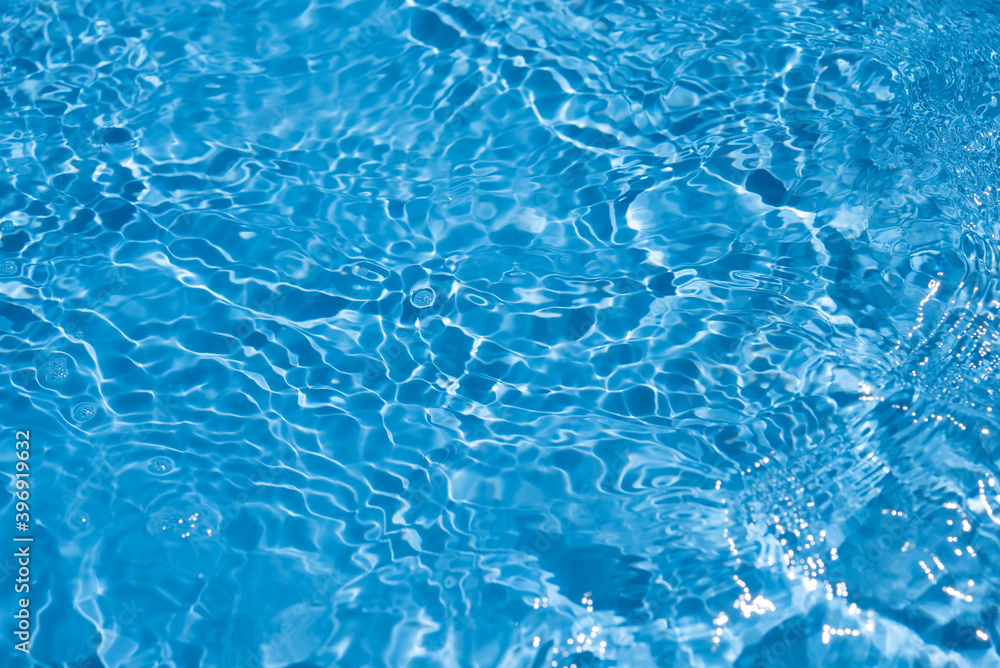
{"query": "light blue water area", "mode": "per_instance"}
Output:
(482, 334)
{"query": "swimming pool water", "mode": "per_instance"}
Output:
(460, 334)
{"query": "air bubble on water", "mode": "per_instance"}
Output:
(422, 298)
(477, 300)
(485, 211)
(362, 272)
(83, 412)
(184, 521)
(8, 268)
(7, 226)
(161, 465)
(369, 273)
(56, 371)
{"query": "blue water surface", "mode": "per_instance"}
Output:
(482, 334)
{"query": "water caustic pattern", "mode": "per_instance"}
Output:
(505, 334)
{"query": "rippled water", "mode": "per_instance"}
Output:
(504, 334)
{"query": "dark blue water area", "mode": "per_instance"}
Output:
(483, 334)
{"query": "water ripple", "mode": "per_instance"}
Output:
(530, 334)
